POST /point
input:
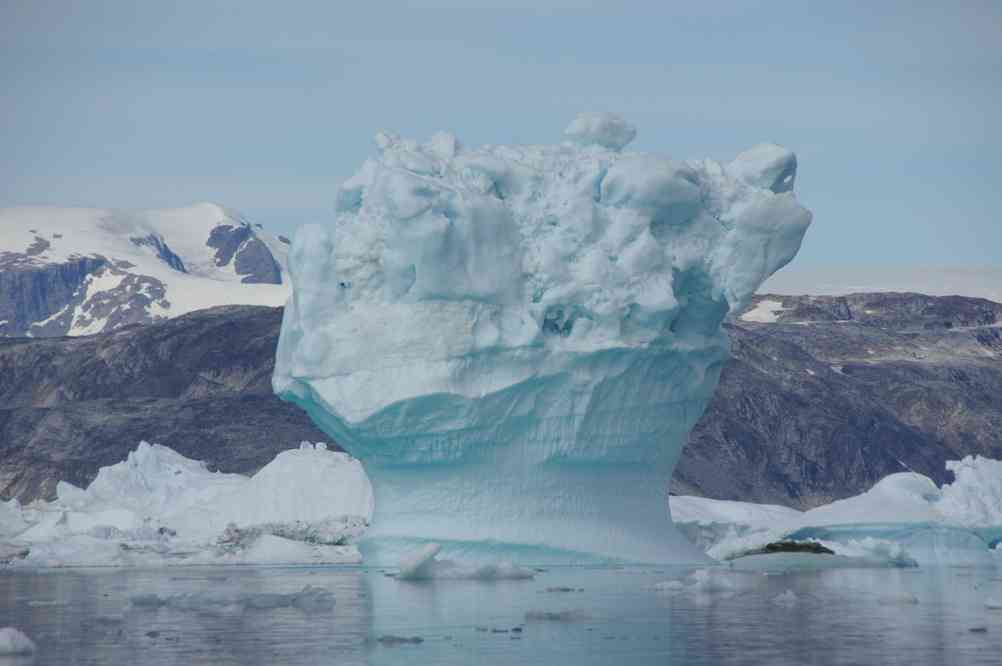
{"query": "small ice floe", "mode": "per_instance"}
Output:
(13, 642)
(993, 604)
(395, 641)
(787, 599)
(904, 599)
(422, 564)
(571, 615)
(669, 586)
(712, 581)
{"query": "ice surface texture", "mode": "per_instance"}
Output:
(158, 507)
(516, 340)
(904, 519)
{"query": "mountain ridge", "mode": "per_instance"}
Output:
(77, 271)
(803, 414)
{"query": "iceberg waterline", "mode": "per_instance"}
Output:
(516, 340)
(905, 519)
(158, 507)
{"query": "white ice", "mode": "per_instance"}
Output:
(516, 340)
(13, 642)
(905, 519)
(159, 507)
(423, 564)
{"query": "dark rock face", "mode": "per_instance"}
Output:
(30, 293)
(842, 391)
(164, 252)
(818, 406)
(252, 258)
(200, 384)
(45, 294)
(256, 264)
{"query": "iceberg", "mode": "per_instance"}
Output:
(903, 520)
(158, 507)
(516, 340)
(13, 642)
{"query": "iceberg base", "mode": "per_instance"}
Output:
(547, 514)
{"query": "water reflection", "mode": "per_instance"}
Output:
(565, 615)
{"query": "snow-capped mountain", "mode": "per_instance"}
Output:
(78, 271)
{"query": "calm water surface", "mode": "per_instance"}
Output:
(608, 616)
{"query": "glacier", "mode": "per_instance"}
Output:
(516, 340)
(159, 508)
(903, 520)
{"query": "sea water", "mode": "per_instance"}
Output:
(564, 615)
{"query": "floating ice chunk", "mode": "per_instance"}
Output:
(601, 129)
(669, 586)
(993, 604)
(422, 564)
(13, 642)
(787, 599)
(714, 581)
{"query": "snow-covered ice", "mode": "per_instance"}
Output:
(158, 507)
(904, 519)
(516, 340)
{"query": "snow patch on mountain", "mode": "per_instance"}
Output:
(78, 271)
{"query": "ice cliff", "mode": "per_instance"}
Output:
(516, 340)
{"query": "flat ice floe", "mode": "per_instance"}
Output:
(905, 519)
(160, 508)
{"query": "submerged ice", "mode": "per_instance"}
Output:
(516, 340)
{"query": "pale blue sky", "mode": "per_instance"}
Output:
(893, 109)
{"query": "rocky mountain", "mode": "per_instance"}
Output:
(824, 396)
(77, 271)
(200, 384)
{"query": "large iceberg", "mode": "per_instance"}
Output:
(158, 507)
(516, 340)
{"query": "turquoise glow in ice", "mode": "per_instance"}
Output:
(516, 340)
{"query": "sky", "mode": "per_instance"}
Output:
(892, 108)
